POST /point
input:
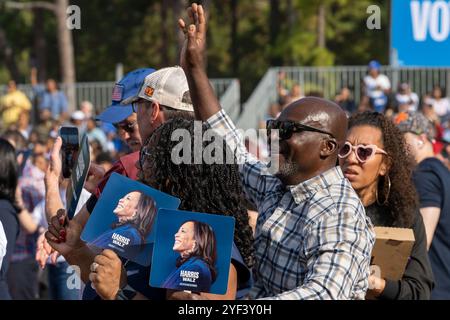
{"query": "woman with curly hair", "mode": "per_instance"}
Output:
(202, 184)
(377, 163)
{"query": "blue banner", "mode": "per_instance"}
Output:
(420, 33)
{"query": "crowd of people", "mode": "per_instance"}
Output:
(378, 95)
(304, 232)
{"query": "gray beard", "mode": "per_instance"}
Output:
(288, 168)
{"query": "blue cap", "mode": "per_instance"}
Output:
(374, 64)
(127, 87)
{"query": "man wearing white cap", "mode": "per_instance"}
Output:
(163, 95)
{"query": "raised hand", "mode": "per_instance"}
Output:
(44, 251)
(95, 175)
(54, 169)
(193, 51)
(63, 236)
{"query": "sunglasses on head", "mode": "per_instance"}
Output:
(287, 128)
(126, 126)
(363, 152)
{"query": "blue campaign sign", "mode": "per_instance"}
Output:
(420, 33)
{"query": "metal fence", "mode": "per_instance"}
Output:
(99, 93)
(329, 80)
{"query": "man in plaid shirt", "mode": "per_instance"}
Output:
(313, 239)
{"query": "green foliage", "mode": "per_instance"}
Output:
(134, 33)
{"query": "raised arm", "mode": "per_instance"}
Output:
(255, 177)
(193, 63)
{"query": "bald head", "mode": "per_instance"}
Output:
(319, 113)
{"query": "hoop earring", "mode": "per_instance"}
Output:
(387, 193)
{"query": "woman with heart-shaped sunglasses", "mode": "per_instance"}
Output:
(376, 161)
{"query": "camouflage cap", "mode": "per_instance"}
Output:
(415, 122)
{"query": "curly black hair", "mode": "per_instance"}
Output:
(201, 186)
(402, 199)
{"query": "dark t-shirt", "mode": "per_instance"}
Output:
(10, 222)
(417, 281)
(432, 180)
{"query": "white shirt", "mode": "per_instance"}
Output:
(372, 85)
(441, 107)
(3, 243)
(412, 100)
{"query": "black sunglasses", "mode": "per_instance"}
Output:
(127, 126)
(287, 128)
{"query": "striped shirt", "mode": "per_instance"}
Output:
(312, 240)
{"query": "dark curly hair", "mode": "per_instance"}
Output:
(402, 200)
(202, 187)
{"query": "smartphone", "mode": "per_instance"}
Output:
(69, 149)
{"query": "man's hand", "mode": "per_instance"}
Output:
(183, 295)
(62, 236)
(192, 60)
(107, 274)
(95, 175)
(193, 51)
(376, 286)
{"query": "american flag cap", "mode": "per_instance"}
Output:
(117, 92)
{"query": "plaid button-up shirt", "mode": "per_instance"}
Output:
(313, 240)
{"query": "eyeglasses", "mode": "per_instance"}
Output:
(363, 152)
(135, 105)
(127, 126)
(287, 128)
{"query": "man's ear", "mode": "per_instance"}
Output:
(329, 146)
(422, 139)
(155, 110)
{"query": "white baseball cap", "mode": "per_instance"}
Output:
(168, 87)
(78, 115)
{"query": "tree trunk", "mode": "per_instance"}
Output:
(321, 25)
(291, 16)
(164, 33)
(7, 52)
(274, 23)
(40, 44)
(66, 54)
(234, 40)
(177, 8)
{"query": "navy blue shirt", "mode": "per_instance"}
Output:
(432, 180)
(10, 222)
(198, 278)
(139, 277)
(127, 231)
